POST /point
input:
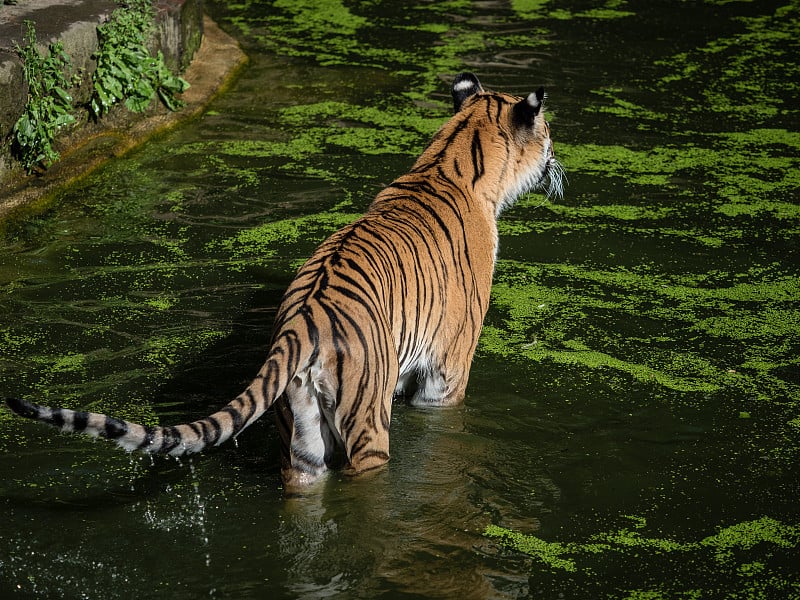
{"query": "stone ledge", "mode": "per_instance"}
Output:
(180, 28)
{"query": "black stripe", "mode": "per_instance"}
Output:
(414, 249)
(80, 420)
(303, 461)
(379, 453)
(462, 124)
(370, 281)
(147, 441)
(386, 416)
(170, 439)
(270, 379)
(204, 427)
(420, 189)
(313, 334)
(336, 336)
(198, 430)
(477, 157)
(216, 430)
(57, 417)
(363, 439)
(23, 408)
(114, 428)
(235, 415)
(251, 406)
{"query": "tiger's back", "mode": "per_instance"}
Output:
(390, 305)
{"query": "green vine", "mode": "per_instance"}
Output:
(125, 70)
(49, 106)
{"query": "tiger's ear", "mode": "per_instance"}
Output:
(465, 85)
(526, 109)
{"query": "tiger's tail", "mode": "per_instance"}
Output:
(281, 365)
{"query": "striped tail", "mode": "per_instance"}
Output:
(281, 365)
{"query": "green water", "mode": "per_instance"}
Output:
(632, 425)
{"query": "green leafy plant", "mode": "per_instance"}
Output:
(125, 70)
(49, 106)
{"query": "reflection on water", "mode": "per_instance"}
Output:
(633, 411)
(421, 526)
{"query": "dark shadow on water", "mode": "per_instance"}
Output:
(197, 388)
(218, 374)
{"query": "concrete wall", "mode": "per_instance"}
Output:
(178, 33)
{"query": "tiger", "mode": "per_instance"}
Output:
(390, 306)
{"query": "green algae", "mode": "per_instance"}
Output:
(644, 167)
(69, 362)
(167, 350)
(365, 129)
(302, 29)
(595, 13)
(529, 8)
(336, 17)
(751, 172)
(442, 38)
(749, 534)
(576, 353)
(727, 76)
(619, 212)
(662, 280)
(538, 9)
(319, 131)
(768, 325)
(12, 341)
(649, 557)
(163, 303)
(549, 553)
(266, 240)
(734, 69)
(544, 307)
(332, 36)
(645, 118)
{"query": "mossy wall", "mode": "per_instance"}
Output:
(177, 34)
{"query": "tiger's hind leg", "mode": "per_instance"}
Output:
(336, 412)
(310, 446)
(363, 419)
(367, 446)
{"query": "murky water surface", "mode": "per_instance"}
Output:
(632, 426)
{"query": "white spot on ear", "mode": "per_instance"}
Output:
(463, 85)
(533, 101)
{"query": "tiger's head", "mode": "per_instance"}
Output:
(499, 143)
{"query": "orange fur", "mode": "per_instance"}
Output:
(391, 305)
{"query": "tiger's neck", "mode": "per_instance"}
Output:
(444, 200)
(474, 161)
